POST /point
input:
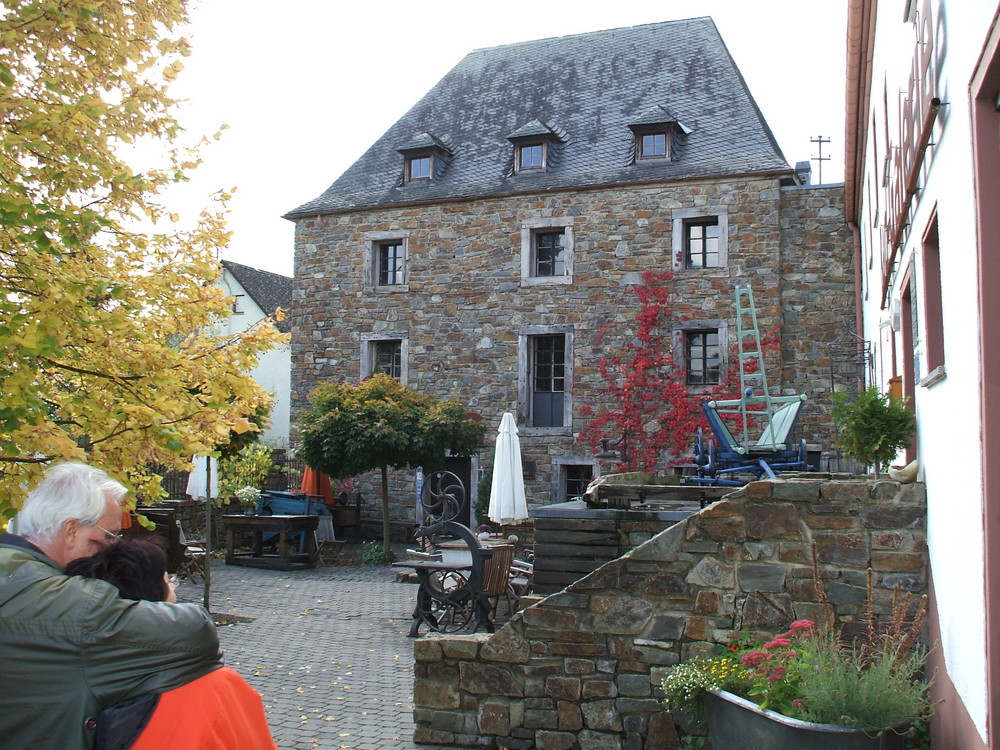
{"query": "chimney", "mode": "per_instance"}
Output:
(803, 172)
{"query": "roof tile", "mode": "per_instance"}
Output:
(594, 85)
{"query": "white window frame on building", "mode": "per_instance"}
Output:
(536, 148)
(682, 335)
(419, 167)
(239, 304)
(377, 278)
(529, 339)
(683, 219)
(531, 231)
(653, 144)
(370, 354)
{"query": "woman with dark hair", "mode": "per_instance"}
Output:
(219, 711)
(137, 568)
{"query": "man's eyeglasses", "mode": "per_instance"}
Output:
(114, 537)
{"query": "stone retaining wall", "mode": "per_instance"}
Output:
(580, 668)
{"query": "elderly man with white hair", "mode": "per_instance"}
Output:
(70, 646)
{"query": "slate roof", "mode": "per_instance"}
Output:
(269, 290)
(591, 87)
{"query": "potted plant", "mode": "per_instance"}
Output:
(873, 427)
(248, 497)
(808, 688)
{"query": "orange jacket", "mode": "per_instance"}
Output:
(219, 711)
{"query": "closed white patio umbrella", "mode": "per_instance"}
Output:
(507, 503)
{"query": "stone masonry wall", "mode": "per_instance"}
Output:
(581, 668)
(817, 296)
(464, 304)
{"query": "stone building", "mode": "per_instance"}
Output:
(488, 246)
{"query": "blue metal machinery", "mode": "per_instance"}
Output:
(764, 424)
(276, 503)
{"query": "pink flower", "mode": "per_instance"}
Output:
(753, 659)
(778, 642)
(801, 625)
(777, 673)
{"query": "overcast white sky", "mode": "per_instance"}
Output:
(306, 86)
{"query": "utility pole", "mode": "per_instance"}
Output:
(820, 140)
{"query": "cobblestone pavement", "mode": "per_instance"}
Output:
(327, 650)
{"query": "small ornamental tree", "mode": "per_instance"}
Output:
(652, 411)
(873, 427)
(379, 423)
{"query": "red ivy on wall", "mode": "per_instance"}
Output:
(649, 411)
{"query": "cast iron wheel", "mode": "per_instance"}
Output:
(445, 602)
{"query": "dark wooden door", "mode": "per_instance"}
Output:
(462, 468)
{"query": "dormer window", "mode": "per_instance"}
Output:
(530, 156)
(535, 146)
(424, 159)
(656, 135)
(654, 145)
(419, 168)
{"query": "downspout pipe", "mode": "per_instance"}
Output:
(859, 312)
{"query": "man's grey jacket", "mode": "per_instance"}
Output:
(71, 646)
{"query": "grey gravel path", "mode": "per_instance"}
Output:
(327, 650)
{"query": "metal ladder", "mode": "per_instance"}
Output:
(753, 384)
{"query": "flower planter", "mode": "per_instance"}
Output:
(735, 723)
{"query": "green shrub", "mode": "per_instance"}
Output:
(844, 688)
(873, 427)
(373, 553)
(813, 676)
(247, 468)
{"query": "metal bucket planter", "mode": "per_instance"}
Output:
(735, 723)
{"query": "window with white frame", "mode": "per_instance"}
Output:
(700, 238)
(545, 355)
(549, 253)
(386, 258)
(530, 157)
(653, 145)
(391, 263)
(419, 167)
(546, 251)
(386, 354)
(239, 304)
(701, 243)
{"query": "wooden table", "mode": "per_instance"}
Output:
(458, 551)
(297, 556)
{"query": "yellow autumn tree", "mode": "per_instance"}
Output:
(107, 349)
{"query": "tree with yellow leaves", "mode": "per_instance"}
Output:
(107, 306)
